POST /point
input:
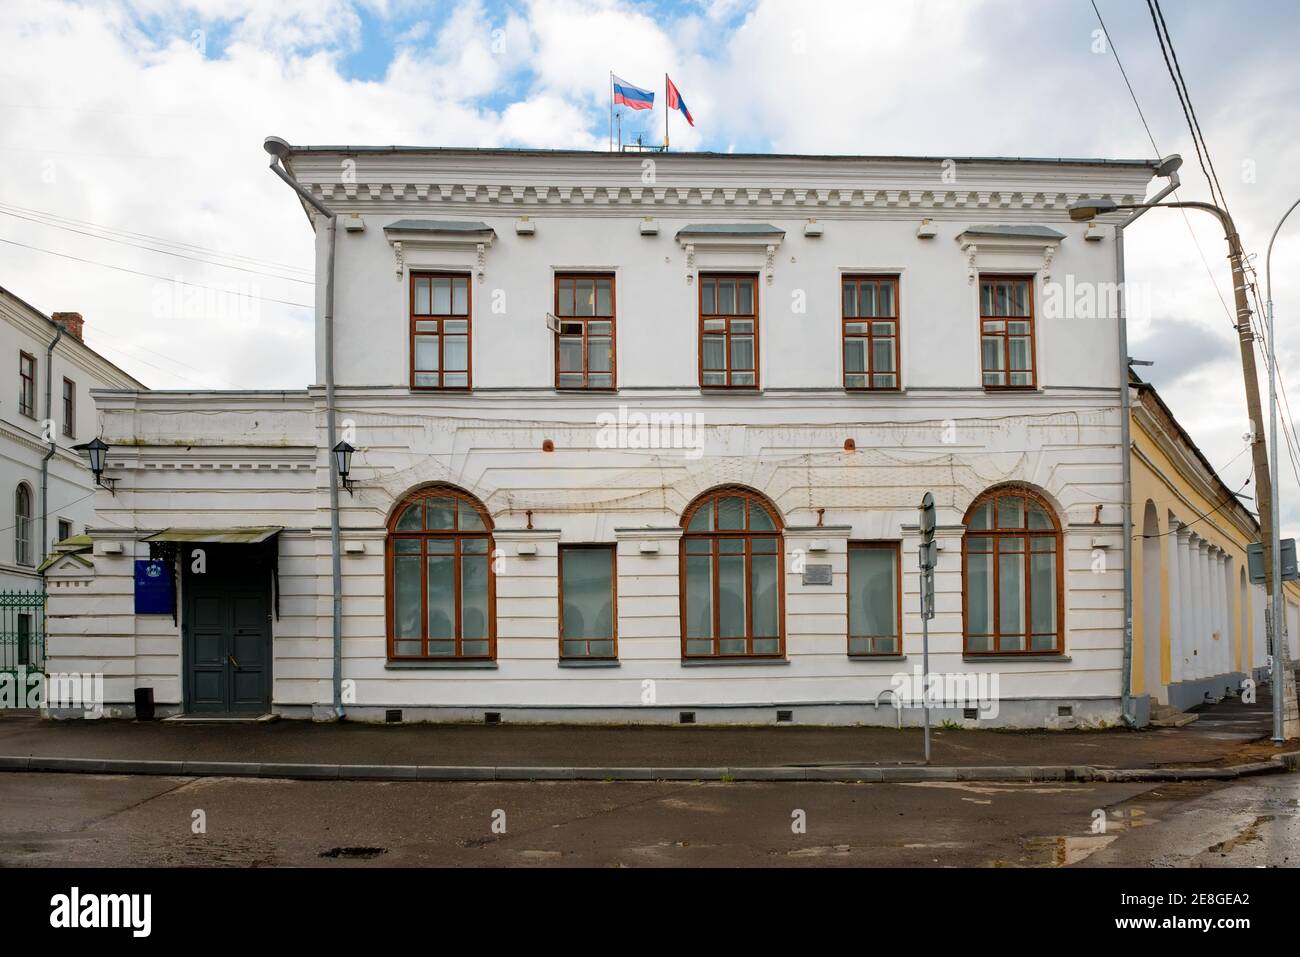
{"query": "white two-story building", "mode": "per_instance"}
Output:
(642, 438)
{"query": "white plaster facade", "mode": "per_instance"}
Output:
(219, 459)
(24, 441)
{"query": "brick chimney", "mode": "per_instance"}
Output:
(71, 323)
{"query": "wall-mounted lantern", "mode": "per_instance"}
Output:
(97, 451)
(343, 463)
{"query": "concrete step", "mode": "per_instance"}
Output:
(1176, 720)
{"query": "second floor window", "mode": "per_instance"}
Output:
(27, 384)
(870, 320)
(440, 317)
(1007, 332)
(728, 332)
(69, 408)
(584, 348)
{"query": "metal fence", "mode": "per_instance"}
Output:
(22, 630)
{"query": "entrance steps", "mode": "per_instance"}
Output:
(1167, 716)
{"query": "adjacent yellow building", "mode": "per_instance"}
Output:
(1198, 624)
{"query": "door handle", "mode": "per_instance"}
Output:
(234, 662)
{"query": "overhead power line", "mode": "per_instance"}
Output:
(149, 275)
(162, 252)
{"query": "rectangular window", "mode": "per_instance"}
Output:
(1007, 332)
(875, 612)
(69, 408)
(588, 601)
(728, 332)
(440, 333)
(27, 384)
(869, 311)
(65, 530)
(584, 346)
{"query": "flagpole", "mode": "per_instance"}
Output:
(665, 112)
(611, 111)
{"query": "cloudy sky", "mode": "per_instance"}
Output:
(146, 117)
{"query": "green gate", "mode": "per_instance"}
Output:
(22, 630)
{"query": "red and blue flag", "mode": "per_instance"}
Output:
(675, 101)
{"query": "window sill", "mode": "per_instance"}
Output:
(583, 390)
(721, 661)
(994, 389)
(429, 665)
(589, 663)
(1016, 656)
(877, 657)
(730, 388)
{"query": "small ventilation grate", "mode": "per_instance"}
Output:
(393, 715)
(970, 712)
(784, 716)
(491, 717)
(1065, 711)
(686, 717)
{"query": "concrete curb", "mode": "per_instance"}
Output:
(875, 774)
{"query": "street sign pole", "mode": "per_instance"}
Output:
(926, 556)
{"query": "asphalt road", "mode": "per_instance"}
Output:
(104, 820)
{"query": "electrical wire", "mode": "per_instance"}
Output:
(161, 252)
(149, 275)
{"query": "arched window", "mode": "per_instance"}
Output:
(441, 591)
(1011, 564)
(733, 604)
(23, 524)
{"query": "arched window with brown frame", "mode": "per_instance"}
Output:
(733, 602)
(440, 587)
(1012, 575)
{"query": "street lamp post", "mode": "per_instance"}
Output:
(1087, 209)
(1275, 568)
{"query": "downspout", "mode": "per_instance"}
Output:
(280, 150)
(1126, 442)
(54, 439)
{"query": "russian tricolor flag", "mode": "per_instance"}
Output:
(633, 97)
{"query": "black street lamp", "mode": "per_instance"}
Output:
(97, 450)
(343, 463)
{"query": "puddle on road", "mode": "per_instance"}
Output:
(1009, 787)
(1062, 851)
(1249, 835)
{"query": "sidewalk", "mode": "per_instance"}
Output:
(1224, 743)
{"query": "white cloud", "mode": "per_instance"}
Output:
(111, 113)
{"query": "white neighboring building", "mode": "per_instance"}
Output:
(822, 339)
(45, 409)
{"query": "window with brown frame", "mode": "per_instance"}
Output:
(440, 584)
(440, 331)
(69, 408)
(1011, 571)
(1007, 332)
(588, 602)
(728, 332)
(584, 346)
(733, 602)
(869, 313)
(875, 608)
(27, 384)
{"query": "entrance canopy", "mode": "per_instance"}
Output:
(249, 535)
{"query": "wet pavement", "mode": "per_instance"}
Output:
(104, 820)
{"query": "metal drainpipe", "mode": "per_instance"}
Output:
(45, 462)
(278, 148)
(1125, 402)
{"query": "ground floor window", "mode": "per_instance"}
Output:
(1012, 574)
(441, 595)
(732, 599)
(875, 624)
(588, 620)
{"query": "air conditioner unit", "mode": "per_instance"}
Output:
(552, 323)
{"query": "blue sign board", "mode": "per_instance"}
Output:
(155, 592)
